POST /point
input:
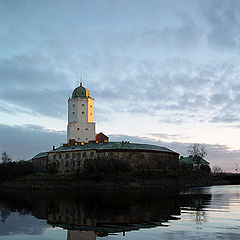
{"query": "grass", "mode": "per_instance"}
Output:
(49, 176)
(130, 175)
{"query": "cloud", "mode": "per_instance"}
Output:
(25, 141)
(153, 67)
(168, 136)
(172, 90)
(32, 84)
(222, 21)
(188, 92)
(17, 224)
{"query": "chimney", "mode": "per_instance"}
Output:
(53, 148)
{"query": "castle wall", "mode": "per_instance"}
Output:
(40, 164)
(76, 160)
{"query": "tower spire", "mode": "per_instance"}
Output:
(81, 79)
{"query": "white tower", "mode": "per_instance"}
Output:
(81, 126)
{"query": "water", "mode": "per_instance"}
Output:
(200, 213)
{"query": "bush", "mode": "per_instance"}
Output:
(205, 168)
(104, 165)
(11, 170)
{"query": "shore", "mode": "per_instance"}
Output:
(144, 179)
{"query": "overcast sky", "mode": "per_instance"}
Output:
(162, 72)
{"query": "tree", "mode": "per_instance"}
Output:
(217, 169)
(197, 149)
(6, 158)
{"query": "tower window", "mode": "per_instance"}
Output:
(73, 112)
(86, 138)
(82, 112)
(90, 106)
(82, 104)
(78, 129)
(90, 113)
(86, 129)
(73, 105)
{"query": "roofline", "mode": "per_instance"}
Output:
(112, 150)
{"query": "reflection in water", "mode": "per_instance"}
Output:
(77, 235)
(88, 215)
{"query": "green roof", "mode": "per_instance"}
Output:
(114, 146)
(41, 154)
(80, 92)
(192, 160)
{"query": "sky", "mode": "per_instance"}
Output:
(161, 72)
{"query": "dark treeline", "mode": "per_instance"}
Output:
(11, 170)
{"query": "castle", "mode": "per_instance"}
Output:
(84, 146)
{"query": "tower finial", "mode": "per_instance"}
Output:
(81, 80)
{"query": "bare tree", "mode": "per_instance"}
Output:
(198, 150)
(217, 169)
(6, 158)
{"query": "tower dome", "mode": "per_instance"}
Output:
(80, 92)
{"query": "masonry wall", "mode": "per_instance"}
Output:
(81, 126)
(69, 161)
(40, 164)
(140, 159)
(72, 161)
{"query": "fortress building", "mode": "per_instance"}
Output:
(84, 147)
(81, 126)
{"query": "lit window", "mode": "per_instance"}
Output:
(90, 113)
(90, 106)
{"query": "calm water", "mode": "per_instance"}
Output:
(200, 213)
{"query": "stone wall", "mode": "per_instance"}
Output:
(69, 161)
(76, 160)
(40, 164)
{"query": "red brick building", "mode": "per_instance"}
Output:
(100, 138)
